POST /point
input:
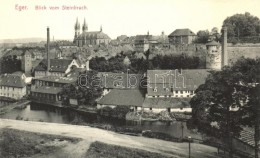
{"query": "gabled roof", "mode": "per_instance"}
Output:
(166, 103)
(58, 79)
(120, 80)
(12, 80)
(127, 97)
(171, 80)
(56, 65)
(182, 32)
(145, 39)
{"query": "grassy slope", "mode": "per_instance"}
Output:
(15, 143)
(102, 150)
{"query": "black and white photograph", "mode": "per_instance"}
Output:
(129, 79)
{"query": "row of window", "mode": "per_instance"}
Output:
(9, 88)
(176, 96)
(7, 95)
(181, 92)
(48, 96)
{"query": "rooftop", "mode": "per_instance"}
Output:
(120, 80)
(56, 65)
(12, 80)
(58, 79)
(189, 79)
(127, 97)
(166, 103)
(182, 32)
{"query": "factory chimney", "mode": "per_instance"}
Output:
(224, 55)
(48, 50)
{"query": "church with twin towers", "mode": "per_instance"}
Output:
(83, 37)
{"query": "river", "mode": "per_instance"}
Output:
(45, 113)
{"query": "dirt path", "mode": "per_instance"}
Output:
(89, 134)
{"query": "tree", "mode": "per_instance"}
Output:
(250, 91)
(202, 36)
(214, 99)
(242, 25)
(235, 86)
(86, 90)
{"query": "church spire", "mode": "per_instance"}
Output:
(101, 28)
(77, 25)
(85, 26)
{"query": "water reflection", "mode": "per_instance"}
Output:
(46, 113)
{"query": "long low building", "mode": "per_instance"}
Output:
(158, 105)
(122, 97)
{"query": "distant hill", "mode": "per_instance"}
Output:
(23, 40)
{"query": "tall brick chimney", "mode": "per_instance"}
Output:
(224, 55)
(48, 49)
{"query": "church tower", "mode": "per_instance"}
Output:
(85, 26)
(27, 62)
(77, 29)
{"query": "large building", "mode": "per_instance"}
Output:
(12, 86)
(182, 36)
(89, 37)
(144, 42)
(58, 67)
(47, 89)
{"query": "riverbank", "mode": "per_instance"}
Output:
(89, 135)
(15, 105)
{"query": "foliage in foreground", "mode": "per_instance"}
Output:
(15, 143)
(102, 150)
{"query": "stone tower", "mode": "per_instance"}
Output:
(27, 62)
(213, 56)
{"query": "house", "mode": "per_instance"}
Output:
(110, 81)
(157, 105)
(144, 42)
(122, 97)
(47, 89)
(174, 83)
(12, 86)
(182, 36)
(58, 67)
(171, 90)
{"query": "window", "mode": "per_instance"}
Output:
(188, 95)
(176, 91)
(181, 92)
(151, 108)
(155, 89)
(13, 88)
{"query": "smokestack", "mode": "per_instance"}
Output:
(224, 55)
(48, 49)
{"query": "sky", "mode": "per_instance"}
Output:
(117, 17)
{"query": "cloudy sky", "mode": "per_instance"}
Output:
(117, 17)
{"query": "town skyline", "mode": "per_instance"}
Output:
(117, 17)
